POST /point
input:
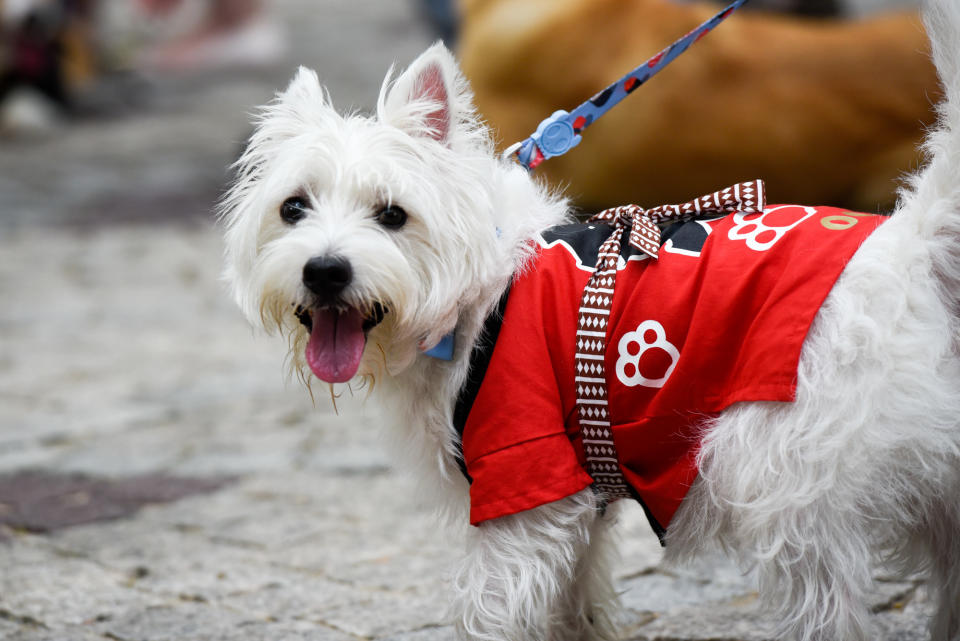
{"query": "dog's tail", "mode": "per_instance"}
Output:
(941, 177)
(932, 197)
(942, 19)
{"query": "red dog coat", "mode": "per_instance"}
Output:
(719, 318)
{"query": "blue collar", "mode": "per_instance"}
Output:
(442, 350)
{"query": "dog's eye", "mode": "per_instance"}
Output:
(392, 217)
(293, 210)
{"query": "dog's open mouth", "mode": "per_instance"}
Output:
(337, 339)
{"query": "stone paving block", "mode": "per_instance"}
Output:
(233, 518)
(268, 592)
(387, 613)
(284, 631)
(908, 622)
(639, 549)
(263, 518)
(326, 546)
(127, 543)
(647, 584)
(433, 633)
(710, 580)
(743, 619)
(294, 597)
(387, 542)
(402, 568)
(746, 624)
(204, 622)
(180, 565)
(888, 594)
(24, 455)
(355, 610)
(45, 501)
(738, 622)
(159, 444)
(70, 633)
(141, 448)
(300, 530)
(41, 583)
(10, 627)
(349, 460)
(319, 442)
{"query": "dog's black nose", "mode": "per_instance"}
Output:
(327, 277)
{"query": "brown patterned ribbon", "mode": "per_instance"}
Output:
(746, 197)
(590, 378)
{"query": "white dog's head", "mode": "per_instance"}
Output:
(362, 237)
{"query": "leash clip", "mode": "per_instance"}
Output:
(555, 135)
(561, 131)
(511, 150)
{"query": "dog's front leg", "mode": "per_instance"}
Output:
(540, 575)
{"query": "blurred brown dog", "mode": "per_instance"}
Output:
(824, 111)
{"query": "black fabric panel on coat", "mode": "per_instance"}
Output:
(479, 362)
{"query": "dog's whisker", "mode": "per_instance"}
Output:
(333, 399)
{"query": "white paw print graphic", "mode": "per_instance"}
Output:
(648, 335)
(761, 236)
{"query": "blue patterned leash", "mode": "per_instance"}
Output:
(561, 131)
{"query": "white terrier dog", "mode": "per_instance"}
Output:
(368, 240)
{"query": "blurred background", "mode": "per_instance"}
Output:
(130, 109)
(122, 357)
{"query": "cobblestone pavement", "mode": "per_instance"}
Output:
(121, 356)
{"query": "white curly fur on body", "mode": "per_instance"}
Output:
(865, 462)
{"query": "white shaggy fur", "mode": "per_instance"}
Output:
(865, 462)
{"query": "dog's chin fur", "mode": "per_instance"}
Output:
(865, 461)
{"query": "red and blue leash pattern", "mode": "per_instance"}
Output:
(561, 131)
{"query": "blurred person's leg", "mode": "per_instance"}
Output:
(443, 16)
(81, 63)
(231, 14)
(159, 7)
(33, 90)
(34, 57)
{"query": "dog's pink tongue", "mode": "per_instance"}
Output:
(336, 344)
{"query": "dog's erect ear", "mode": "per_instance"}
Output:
(429, 99)
(304, 91)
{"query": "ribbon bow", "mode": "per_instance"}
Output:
(600, 451)
(748, 197)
